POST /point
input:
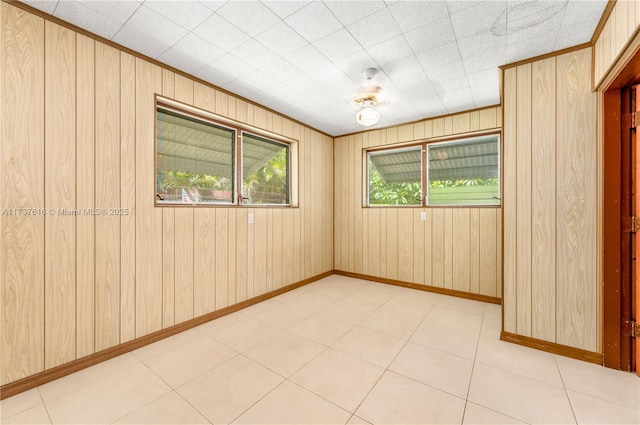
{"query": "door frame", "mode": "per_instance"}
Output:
(615, 347)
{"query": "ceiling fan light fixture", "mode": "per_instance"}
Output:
(367, 116)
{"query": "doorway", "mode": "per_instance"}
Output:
(621, 219)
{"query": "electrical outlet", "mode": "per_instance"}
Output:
(423, 215)
(250, 218)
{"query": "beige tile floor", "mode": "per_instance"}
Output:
(338, 351)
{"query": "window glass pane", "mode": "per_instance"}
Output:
(194, 160)
(464, 172)
(395, 177)
(265, 171)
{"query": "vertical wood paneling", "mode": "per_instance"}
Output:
(197, 296)
(576, 299)
(154, 267)
(523, 206)
(617, 31)
(277, 248)
(437, 247)
(488, 241)
(85, 197)
(356, 196)
(374, 242)
(461, 249)
(22, 186)
(543, 206)
(185, 259)
(392, 243)
(554, 297)
(428, 250)
(168, 233)
(418, 251)
(448, 248)
(260, 252)
(509, 201)
(405, 245)
(107, 167)
(127, 198)
(475, 251)
(148, 218)
(60, 195)
(221, 265)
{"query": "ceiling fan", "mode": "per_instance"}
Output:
(367, 97)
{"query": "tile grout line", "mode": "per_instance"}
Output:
(564, 387)
(473, 368)
(44, 404)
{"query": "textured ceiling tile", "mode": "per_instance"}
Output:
(233, 66)
(487, 60)
(485, 95)
(313, 22)
(191, 53)
(413, 14)
(481, 42)
(529, 48)
(252, 17)
(188, 14)
(350, 11)
(458, 5)
(254, 53)
(439, 56)
(214, 76)
(178, 59)
(390, 51)
(431, 35)
(285, 8)
(146, 21)
(483, 78)
(484, 15)
(354, 64)
(526, 21)
(458, 100)
(375, 28)
(79, 14)
(332, 77)
(140, 42)
(578, 23)
(337, 45)
(117, 10)
(47, 6)
(307, 59)
(221, 33)
(281, 39)
(281, 70)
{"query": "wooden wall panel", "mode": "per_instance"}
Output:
(461, 250)
(488, 225)
(107, 179)
(196, 294)
(509, 201)
(127, 197)
(523, 195)
(576, 203)
(85, 197)
(60, 195)
(22, 186)
(104, 280)
(622, 24)
(444, 250)
(555, 295)
(148, 218)
(543, 203)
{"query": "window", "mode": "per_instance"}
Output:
(395, 177)
(265, 179)
(204, 162)
(453, 172)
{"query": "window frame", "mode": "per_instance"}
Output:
(239, 128)
(424, 170)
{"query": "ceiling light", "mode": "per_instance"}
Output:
(367, 96)
(367, 116)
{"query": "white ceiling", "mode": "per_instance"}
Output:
(305, 58)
